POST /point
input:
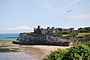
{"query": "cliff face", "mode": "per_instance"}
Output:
(39, 39)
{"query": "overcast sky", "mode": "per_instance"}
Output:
(24, 15)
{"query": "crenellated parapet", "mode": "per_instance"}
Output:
(52, 30)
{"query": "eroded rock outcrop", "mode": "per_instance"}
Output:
(41, 37)
(38, 39)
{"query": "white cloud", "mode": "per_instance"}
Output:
(20, 28)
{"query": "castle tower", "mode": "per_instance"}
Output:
(38, 27)
(71, 29)
(53, 30)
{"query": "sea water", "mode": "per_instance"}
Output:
(9, 36)
(14, 56)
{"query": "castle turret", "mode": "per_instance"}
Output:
(71, 29)
(38, 27)
(37, 30)
(53, 30)
(48, 28)
(34, 30)
(52, 27)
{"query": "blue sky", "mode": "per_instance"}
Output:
(24, 15)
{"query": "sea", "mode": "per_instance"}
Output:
(12, 55)
(9, 36)
(22, 55)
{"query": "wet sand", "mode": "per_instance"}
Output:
(34, 53)
(37, 52)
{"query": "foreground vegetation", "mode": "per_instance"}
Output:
(78, 52)
(80, 49)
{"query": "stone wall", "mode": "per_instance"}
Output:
(52, 30)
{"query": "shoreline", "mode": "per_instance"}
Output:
(40, 51)
(36, 52)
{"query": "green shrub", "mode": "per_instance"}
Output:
(56, 55)
(88, 44)
(57, 34)
(78, 52)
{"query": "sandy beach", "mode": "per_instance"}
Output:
(37, 52)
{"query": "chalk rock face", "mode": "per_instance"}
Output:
(41, 39)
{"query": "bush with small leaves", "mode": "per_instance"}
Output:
(78, 52)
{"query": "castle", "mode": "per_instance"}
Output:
(42, 36)
(52, 30)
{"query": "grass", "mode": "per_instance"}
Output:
(78, 35)
(82, 34)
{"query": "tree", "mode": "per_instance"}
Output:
(86, 29)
